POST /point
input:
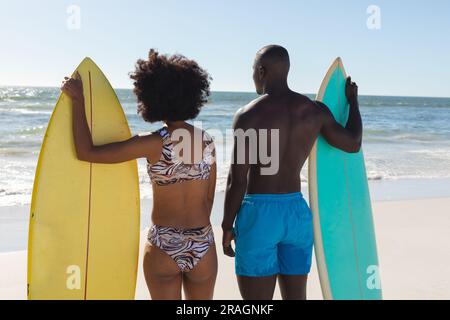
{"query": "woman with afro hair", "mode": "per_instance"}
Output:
(180, 253)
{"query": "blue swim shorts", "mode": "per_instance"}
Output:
(274, 235)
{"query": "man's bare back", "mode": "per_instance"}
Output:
(298, 121)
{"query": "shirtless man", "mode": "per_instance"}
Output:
(273, 231)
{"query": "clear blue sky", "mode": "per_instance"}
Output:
(409, 55)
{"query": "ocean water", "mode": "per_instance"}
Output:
(404, 137)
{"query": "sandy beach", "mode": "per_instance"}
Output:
(413, 247)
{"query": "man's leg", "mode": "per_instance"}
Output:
(293, 287)
(257, 288)
(258, 229)
(295, 252)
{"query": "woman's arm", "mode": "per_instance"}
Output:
(117, 152)
(133, 148)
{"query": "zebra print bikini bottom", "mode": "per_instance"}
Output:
(186, 247)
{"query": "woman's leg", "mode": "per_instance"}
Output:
(163, 277)
(198, 284)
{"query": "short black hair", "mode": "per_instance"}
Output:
(170, 87)
(274, 54)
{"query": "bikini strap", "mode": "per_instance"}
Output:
(209, 151)
(164, 134)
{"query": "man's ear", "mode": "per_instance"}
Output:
(261, 72)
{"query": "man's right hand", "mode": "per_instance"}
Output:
(228, 236)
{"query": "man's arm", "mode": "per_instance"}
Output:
(212, 186)
(348, 139)
(236, 187)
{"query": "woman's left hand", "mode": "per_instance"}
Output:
(73, 88)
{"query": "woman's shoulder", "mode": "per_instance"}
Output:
(162, 132)
(207, 139)
(209, 151)
(153, 143)
(152, 136)
(207, 136)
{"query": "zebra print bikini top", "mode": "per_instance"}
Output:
(169, 170)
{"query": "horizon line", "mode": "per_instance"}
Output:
(247, 92)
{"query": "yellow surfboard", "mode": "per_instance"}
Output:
(84, 220)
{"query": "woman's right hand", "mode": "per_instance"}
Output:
(228, 236)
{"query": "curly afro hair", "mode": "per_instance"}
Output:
(170, 88)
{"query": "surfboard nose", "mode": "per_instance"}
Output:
(87, 60)
(87, 63)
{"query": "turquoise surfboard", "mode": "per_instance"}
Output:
(344, 235)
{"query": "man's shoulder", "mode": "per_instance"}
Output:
(306, 104)
(321, 108)
(302, 99)
(253, 105)
(246, 113)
